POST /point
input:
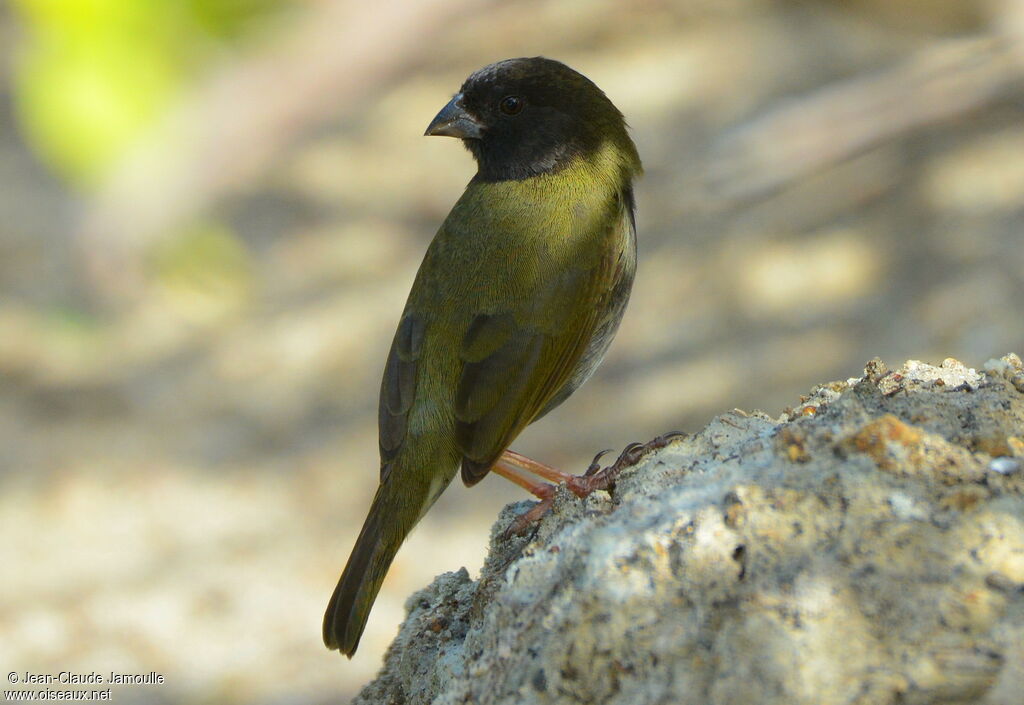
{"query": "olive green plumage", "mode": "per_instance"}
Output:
(513, 307)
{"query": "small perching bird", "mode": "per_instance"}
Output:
(514, 305)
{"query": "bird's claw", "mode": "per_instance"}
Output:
(595, 464)
(529, 518)
(603, 479)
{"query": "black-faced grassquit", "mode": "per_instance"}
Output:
(514, 305)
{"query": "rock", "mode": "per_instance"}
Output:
(865, 547)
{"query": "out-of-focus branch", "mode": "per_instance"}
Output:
(943, 81)
(232, 127)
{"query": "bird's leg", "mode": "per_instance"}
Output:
(595, 477)
(542, 490)
(515, 473)
(512, 459)
(515, 467)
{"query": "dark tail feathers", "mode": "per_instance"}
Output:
(360, 582)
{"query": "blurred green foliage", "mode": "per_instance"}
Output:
(93, 75)
(93, 78)
(204, 272)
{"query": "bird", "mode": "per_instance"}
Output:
(516, 301)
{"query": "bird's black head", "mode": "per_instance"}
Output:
(523, 117)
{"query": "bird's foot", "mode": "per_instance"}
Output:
(598, 478)
(530, 517)
(514, 466)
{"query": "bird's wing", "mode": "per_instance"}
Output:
(515, 360)
(398, 388)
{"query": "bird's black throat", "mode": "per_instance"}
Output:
(513, 158)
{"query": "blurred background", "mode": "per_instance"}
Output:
(211, 212)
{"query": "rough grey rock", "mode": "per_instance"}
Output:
(866, 547)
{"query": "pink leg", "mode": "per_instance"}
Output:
(512, 459)
(518, 468)
(514, 473)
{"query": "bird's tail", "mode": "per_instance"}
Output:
(382, 535)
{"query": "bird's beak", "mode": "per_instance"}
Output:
(454, 121)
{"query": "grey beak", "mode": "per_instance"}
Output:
(454, 121)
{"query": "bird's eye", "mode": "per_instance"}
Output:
(511, 105)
